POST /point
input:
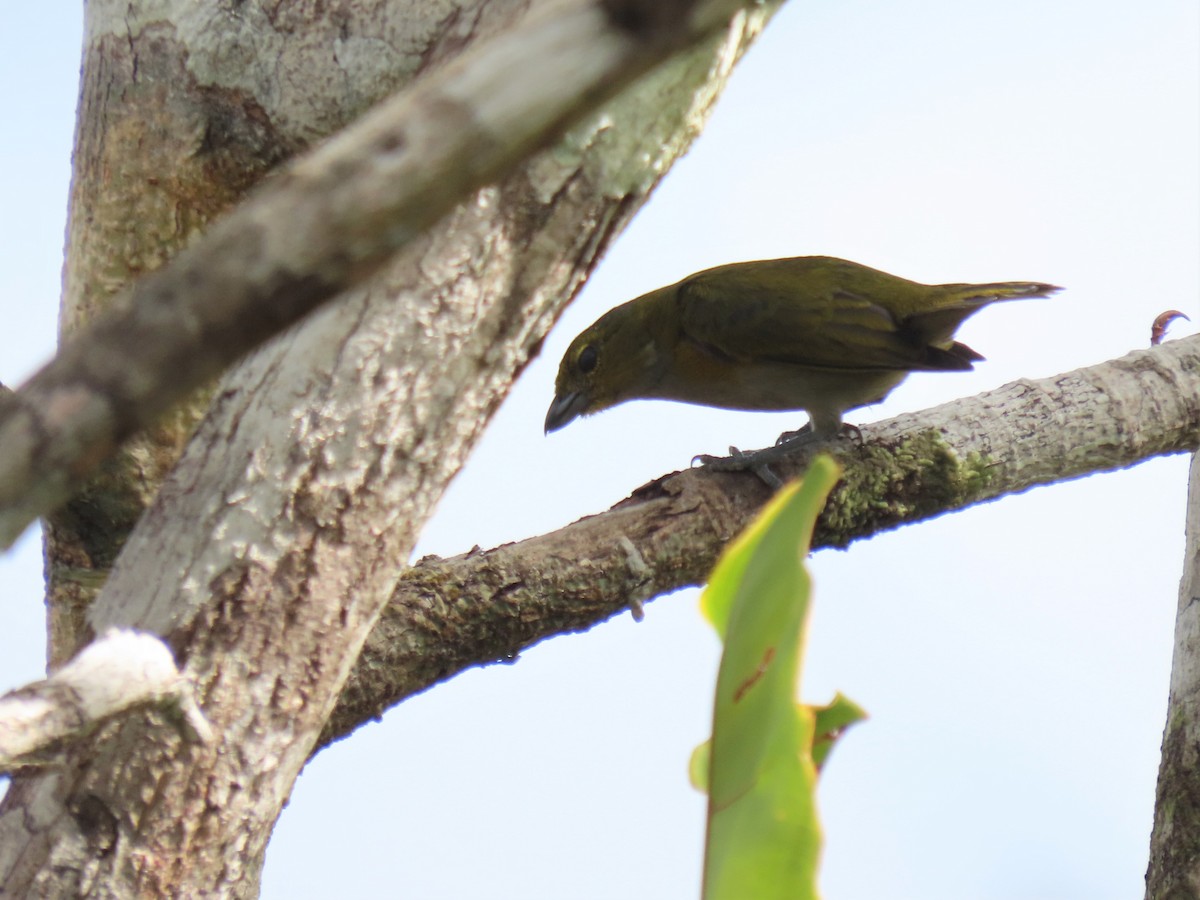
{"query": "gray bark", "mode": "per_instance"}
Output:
(1174, 870)
(267, 555)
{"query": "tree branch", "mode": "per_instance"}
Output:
(1174, 869)
(483, 607)
(120, 671)
(329, 220)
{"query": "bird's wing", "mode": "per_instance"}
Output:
(745, 317)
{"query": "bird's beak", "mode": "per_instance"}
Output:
(564, 409)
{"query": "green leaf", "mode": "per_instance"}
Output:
(764, 840)
(832, 720)
(698, 766)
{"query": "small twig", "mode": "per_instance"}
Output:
(122, 670)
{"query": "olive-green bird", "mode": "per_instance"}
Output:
(815, 333)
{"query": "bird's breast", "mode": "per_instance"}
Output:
(699, 375)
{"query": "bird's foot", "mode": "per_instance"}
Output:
(759, 461)
(742, 461)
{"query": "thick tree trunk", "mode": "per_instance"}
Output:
(183, 108)
(268, 553)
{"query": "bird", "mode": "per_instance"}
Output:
(812, 333)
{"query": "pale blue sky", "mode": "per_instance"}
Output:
(1014, 657)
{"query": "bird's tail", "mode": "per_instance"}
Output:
(983, 294)
(961, 301)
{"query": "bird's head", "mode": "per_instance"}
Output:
(618, 358)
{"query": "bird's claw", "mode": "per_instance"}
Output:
(740, 461)
(759, 461)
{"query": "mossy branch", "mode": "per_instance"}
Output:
(483, 607)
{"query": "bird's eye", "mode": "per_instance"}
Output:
(587, 359)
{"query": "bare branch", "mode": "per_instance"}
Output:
(483, 607)
(122, 670)
(326, 222)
